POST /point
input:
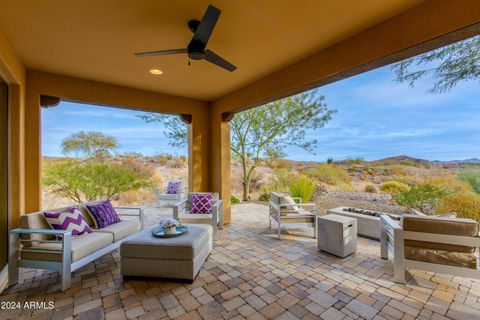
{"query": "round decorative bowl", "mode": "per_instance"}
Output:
(159, 232)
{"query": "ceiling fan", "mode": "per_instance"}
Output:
(196, 49)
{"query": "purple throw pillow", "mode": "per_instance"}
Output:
(173, 187)
(103, 214)
(202, 202)
(70, 219)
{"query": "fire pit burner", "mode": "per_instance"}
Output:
(370, 213)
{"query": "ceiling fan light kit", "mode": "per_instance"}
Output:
(196, 49)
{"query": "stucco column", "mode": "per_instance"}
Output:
(220, 159)
(198, 153)
(33, 150)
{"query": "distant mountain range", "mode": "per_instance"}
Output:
(403, 158)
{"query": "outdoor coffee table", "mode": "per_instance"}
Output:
(175, 258)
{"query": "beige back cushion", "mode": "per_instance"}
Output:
(36, 220)
(440, 225)
(284, 198)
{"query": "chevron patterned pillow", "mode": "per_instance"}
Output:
(70, 219)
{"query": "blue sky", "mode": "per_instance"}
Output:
(132, 133)
(376, 118)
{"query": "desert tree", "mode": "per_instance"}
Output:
(89, 144)
(265, 131)
(448, 65)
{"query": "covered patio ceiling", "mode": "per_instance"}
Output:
(95, 40)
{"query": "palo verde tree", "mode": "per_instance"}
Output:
(448, 65)
(265, 131)
(89, 181)
(89, 144)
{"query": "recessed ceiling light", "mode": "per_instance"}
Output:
(156, 72)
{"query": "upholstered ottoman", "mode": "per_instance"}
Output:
(175, 258)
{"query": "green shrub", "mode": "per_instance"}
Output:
(358, 160)
(410, 163)
(264, 196)
(410, 181)
(282, 164)
(451, 185)
(465, 205)
(302, 187)
(472, 177)
(424, 198)
(394, 187)
(234, 200)
(370, 188)
(330, 174)
(396, 170)
(344, 187)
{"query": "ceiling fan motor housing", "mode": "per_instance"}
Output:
(196, 50)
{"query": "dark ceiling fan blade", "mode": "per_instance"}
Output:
(161, 52)
(206, 26)
(219, 61)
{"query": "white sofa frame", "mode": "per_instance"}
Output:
(65, 266)
(275, 214)
(392, 238)
(216, 214)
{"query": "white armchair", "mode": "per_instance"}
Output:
(285, 214)
(163, 197)
(182, 213)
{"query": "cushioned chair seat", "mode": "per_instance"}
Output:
(82, 246)
(456, 259)
(298, 218)
(121, 229)
(202, 218)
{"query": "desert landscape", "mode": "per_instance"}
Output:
(369, 185)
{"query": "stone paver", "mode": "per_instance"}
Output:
(252, 275)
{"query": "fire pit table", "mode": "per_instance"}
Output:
(368, 222)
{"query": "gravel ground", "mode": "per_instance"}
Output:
(362, 200)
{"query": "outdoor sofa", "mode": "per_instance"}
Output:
(35, 244)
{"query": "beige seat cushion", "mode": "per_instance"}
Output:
(121, 229)
(298, 218)
(185, 247)
(456, 259)
(439, 225)
(196, 218)
(82, 246)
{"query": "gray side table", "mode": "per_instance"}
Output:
(337, 234)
